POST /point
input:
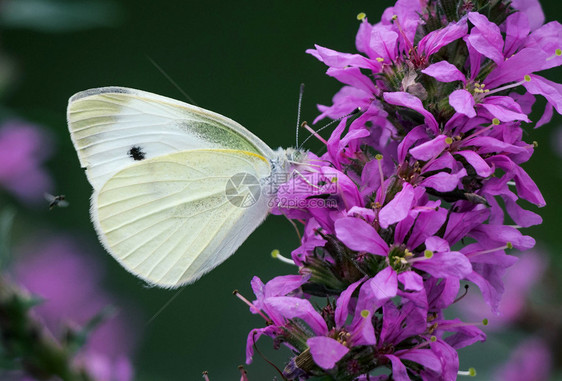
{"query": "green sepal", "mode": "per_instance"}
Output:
(75, 339)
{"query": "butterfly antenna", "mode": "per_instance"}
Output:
(164, 306)
(301, 92)
(189, 99)
(356, 111)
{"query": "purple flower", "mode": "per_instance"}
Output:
(23, 149)
(427, 158)
(518, 282)
(59, 272)
(531, 360)
(532, 9)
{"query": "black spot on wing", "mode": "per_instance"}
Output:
(136, 153)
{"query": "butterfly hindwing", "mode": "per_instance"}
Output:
(172, 218)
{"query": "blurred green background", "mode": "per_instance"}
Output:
(243, 59)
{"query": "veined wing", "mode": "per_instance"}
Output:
(172, 218)
(112, 127)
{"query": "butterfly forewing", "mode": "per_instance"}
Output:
(113, 127)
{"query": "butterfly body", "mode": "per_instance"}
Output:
(177, 189)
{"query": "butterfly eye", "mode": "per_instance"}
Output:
(136, 153)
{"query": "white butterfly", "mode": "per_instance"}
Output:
(177, 189)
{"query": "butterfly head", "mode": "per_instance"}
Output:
(286, 160)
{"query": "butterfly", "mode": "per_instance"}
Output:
(176, 188)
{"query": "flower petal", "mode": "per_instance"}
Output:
(516, 31)
(399, 372)
(463, 102)
(546, 116)
(397, 209)
(360, 236)
(444, 182)
(352, 76)
(383, 43)
(430, 149)
(443, 71)
(342, 304)
(325, 351)
(486, 37)
(525, 61)
(362, 330)
(436, 244)
(336, 59)
(435, 40)
(410, 101)
(413, 136)
(384, 285)
(446, 265)
(411, 280)
(533, 10)
(480, 166)
(283, 285)
(504, 108)
(424, 357)
(254, 335)
(552, 91)
(290, 308)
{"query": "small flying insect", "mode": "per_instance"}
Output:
(56, 201)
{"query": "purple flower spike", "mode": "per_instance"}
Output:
(429, 175)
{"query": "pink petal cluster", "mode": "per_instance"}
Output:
(423, 182)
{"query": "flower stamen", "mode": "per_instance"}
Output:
(277, 255)
(557, 53)
(526, 78)
(314, 133)
(251, 305)
(508, 245)
(471, 372)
